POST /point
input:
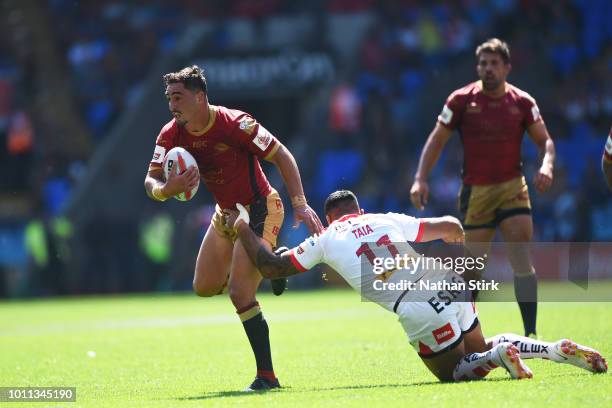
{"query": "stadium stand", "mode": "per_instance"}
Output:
(80, 81)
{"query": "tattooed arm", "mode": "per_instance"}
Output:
(270, 265)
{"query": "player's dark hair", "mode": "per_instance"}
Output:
(341, 199)
(495, 46)
(191, 77)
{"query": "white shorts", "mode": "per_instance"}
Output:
(435, 327)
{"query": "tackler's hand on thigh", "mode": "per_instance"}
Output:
(233, 218)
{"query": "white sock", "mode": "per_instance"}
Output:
(528, 347)
(476, 366)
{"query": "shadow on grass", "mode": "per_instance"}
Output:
(224, 394)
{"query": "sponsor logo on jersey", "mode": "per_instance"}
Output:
(300, 250)
(514, 110)
(446, 115)
(444, 333)
(262, 139)
(158, 154)
(247, 125)
(341, 227)
(474, 108)
(199, 143)
(214, 177)
(221, 148)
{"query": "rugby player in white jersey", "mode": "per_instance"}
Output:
(441, 326)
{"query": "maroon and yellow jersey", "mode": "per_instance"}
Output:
(491, 130)
(227, 154)
(608, 149)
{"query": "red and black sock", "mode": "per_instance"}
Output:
(258, 333)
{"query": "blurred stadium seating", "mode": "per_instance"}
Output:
(357, 82)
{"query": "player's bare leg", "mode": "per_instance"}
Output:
(563, 351)
(243, 284)
(477, 244)
(474, 341)
(443, 365)
(213, 264)
(460, 364)
(517, 231)
(244, 277)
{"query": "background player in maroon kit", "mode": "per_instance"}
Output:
(491, 116)
(606, 160)
(227, 144)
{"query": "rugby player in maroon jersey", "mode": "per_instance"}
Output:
(227, 145)
(606, 160)
(491, 116)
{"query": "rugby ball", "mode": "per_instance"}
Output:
(180, 157)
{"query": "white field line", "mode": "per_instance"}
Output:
(178, 321)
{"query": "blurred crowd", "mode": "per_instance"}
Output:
(391, 83)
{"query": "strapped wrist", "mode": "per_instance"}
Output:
(157, 193)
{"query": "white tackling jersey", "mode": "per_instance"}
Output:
(350, 244)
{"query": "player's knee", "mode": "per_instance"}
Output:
(520, 261)
(443, 374)
(204, 290)
(240, 297)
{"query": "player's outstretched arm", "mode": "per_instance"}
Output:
(546, 149)
(270, 265)
(287, 166)
(446, 228)
(419, 192)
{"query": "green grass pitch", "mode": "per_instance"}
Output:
(329, 348)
